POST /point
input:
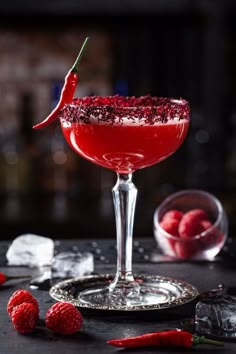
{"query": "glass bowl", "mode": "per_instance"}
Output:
(204, 245)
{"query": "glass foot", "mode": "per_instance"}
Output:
(146, 296)
(156, 292)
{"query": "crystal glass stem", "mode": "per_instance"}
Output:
(124, 198)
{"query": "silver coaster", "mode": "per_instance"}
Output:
(171, 292)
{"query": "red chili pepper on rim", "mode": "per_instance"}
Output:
(4, 277)
(171, 338)
(67, 92)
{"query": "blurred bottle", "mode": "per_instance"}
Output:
(197, 165)
(11, 179)
(59, 161)
(231, 154)
(59, 177)
(26, 144)
(15, 149)
(121, 88)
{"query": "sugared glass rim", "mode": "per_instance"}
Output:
(216, 201)
(149, 109)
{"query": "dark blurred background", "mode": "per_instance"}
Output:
(176, 48)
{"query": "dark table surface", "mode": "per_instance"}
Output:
(99, 326)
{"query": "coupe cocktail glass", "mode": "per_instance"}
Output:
(125, 134)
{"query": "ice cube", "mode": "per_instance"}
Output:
(217, 316)
(30, 250)
(72, 264)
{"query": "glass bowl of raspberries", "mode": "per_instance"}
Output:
(190, 224)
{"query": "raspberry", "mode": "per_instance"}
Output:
(20, 296)
(173, 214)
(171, 226)
(186, 250)
(206, 224)
(214, 237)
(190, 224)
(63, 318)
(24, 317)
(198, 214)
(210, 238)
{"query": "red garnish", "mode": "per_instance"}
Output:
(184, 227)
(24, 317)
(20, 296)
(173, 214)
(187, 249)
(171, 226)
(171, 338)
(67, 92)
(63, 318)
(212, 236)
(4, 277)
(112, 109)
(190, 224)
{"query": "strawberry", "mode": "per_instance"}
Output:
(63, 318)
(172, 214)
(24, 317)
(190, 224)
(20, 296)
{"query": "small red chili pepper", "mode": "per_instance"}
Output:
(67, 92)
(4, 277)
(171, 338)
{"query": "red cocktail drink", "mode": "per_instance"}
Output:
(125, 148)
(127, 141)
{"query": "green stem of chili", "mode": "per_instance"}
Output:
(204, 340)
(74, 68)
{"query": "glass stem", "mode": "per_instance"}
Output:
(124, 198)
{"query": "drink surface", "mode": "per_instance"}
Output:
(125, 148)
